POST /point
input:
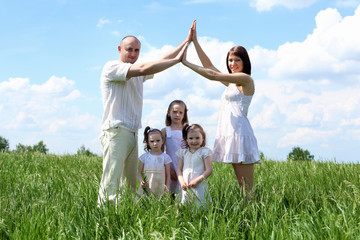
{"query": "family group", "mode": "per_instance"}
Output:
(176, 158)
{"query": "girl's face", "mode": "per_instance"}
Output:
(194, 139)
(176, 113)
(235, 63)
(155, 141)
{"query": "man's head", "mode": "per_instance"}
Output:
(129, 49)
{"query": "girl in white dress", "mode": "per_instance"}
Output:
(235, 142)
(154, 164)
(194, 166)
(176, 118)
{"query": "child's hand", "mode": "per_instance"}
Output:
(196, 181)
(143, 184)
(183, 185)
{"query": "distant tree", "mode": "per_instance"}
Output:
(298, 154)
(40, 147)
(83, 151)
(20, 148)
(262, 156)
(4, 144)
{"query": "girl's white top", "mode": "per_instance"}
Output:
(194, 166)
(150, 160)
(173, 143)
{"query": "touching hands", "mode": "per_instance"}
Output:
(143, 184)
(180, 55)
(190, 38)
(192, 31)
(193, 183)
(183, 185)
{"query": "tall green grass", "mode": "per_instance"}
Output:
(55, 197)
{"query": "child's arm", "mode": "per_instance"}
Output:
(208, 170)
(140, 171)
(167, 177)
(179, 171)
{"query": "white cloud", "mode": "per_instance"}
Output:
(307, 136)
(102, 22)
(347, 3)
(115, 33)
(264, 5)
(267, 5)
(306, 92)
(44, 110)
(332, 51)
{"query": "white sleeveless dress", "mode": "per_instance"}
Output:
(235, 141)
(193, 167)
(172, 144)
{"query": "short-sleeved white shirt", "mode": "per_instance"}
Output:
(150, 160)
(122, 99)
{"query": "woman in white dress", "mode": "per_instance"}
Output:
(235, 142)
(194, 166)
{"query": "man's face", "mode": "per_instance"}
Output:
(129, 50)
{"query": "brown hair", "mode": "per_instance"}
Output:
(185, 119)
(240, 52)
(188, 128)
(147, 131)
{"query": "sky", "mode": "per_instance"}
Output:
(305, 64)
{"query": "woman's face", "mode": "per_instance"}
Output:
(235, 63)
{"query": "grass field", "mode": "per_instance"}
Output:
(54, 197)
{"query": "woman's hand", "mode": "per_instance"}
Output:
(193, 32)
(180, 55)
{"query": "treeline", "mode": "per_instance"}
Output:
(296, 154)
(39, 147)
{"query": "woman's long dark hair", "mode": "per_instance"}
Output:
(240, 52)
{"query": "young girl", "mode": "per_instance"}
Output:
(154, 164)
(194, 165)
(176, 118)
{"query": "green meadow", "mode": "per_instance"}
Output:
(44, 196)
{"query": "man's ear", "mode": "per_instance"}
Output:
(119, 48)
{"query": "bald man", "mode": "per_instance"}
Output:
(122, 96)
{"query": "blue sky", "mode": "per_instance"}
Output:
(305, 57)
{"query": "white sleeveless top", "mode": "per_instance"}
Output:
(173, 143)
